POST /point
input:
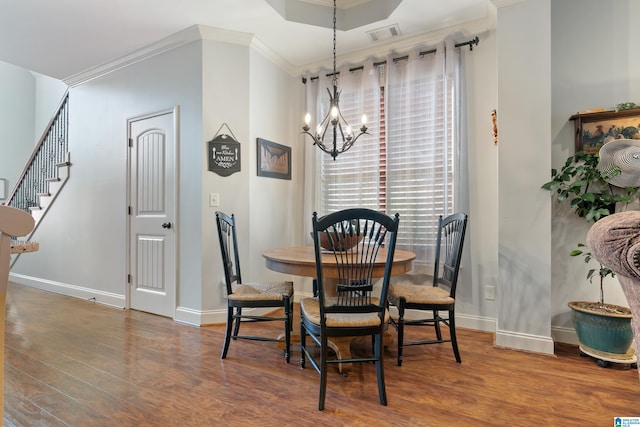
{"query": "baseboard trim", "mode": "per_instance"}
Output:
(564, 335)
(201, 318)
(527, 342)
(106, 298)
(478, 323)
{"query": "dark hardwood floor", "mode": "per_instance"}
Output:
(70, 362)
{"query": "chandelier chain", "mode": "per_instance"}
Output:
(335, 74)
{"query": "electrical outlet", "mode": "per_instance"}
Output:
(490, 292)
(214, 200)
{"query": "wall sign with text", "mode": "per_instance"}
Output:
(224, 155)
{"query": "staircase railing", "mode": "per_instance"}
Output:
(51, 152)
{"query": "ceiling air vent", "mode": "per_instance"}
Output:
(384, 33)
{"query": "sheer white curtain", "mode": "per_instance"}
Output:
(420, 149)
(455, 69)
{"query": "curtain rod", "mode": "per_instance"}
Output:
(470, 43)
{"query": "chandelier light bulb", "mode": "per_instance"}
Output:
(364, 119)
(334, 112)
(307, 119)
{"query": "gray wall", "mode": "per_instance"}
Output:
(524, 107)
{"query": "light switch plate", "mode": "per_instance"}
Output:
(214, 200)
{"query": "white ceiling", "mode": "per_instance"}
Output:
(61, 38)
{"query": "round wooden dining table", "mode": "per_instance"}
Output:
(301, 261)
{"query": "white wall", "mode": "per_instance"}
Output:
(17, 109)
(27, 104)
(49, 94)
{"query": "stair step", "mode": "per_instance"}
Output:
(54, 186)
(44, 200)
(37, 215)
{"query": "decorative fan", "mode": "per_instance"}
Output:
(625, 154)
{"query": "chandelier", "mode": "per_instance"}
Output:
(339, 126)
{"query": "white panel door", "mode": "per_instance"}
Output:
(152, 212)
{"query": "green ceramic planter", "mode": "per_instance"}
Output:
(606, 332)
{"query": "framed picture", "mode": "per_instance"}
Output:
(3, 189)
(274, 160)
(595, 129)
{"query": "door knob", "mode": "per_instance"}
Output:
(166, 225)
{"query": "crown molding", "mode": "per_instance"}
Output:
(504, 3)
(174, 41)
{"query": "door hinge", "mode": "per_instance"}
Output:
(128, 210)
(130, 142)
(128, 278)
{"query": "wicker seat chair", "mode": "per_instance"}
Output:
(437, 295)
(349, 302)
(248, 295)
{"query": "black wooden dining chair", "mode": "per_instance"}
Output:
(349, 302)
(250, 295)
(437, 295)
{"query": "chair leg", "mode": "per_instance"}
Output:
(291, 314)
(400, 330)
(379, 368)
(323, 371)
(452, 331)
(303, 342)
(436, 324)
(227, 335)
(236, 328)
(287, 328)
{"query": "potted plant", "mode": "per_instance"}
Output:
(604, 330)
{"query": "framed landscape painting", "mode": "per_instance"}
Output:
(274, 160)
